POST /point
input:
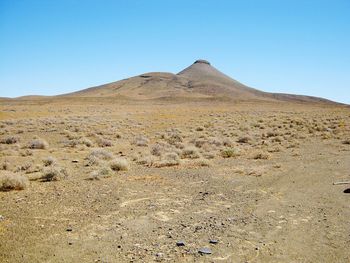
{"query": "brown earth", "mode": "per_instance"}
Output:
(256, 177)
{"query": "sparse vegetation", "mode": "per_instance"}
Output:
(10, 140)
(12, 181)
(190, 152)
(38, 144)
(119, 164)
(54, 173)
(229, 152)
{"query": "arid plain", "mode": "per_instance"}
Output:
(195, 179)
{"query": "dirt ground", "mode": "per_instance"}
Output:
(247, 182)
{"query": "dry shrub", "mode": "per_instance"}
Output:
(229, 153)
(5, 165)
(141, 141)
(199, 142)
(173, 137)
(101, 154)
(157, 149)
(49, 161)
(161, 148)
(86, 142)
(244, 139)
(148, 160)
(54, 173)
(24, 167)
(227, 142)
(11, 181)
(202, 162)
(38, 144)
(209, 155)
(119, 164)
(10, 140)
(169, 159)
(261, 155)
(102, 142)
(190, 152)
(103, 172)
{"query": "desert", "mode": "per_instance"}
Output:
(163, 167)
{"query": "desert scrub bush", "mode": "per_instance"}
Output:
(141, 141)
(173, 137)
(5, 165)
(227, 142)
(202, 162)
(102, 142)
(49, 161)
(38, 144)
(209, 155)
(87, 142)
(244, 139)
(215, 141)
(229, 153)
(260, 155)
(199, 142)
(53, 173)
(24, 167)
(147, 160)
(10, 140)
(119, 164)
(190, 152)
(11, 181)
(157, 149)
(101, 154)
(169, 159)
(103, 172)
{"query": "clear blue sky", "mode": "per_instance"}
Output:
(56, 46)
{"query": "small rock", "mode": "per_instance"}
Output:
(204, 251)
(2, 217)
(180, 243)
(69, 229)
(213, 241)
(159, 255)
(75, 161)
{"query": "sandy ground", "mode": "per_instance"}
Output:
(273, 200)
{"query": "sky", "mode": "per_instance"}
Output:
(50, 47)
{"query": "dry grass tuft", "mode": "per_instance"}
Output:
(11, 181)
(54, 173)
(229, 153)
(141, 141)
(244, 139)
(203, 162)
(103, 172)
(49, 161)
(10, 140)
(119, 164)
(38, 144)
(169, 159)
(190, 152)
(261, 155)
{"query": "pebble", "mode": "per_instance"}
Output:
(213, 241)
(69, 229)
(204, 251)
(180, 243)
